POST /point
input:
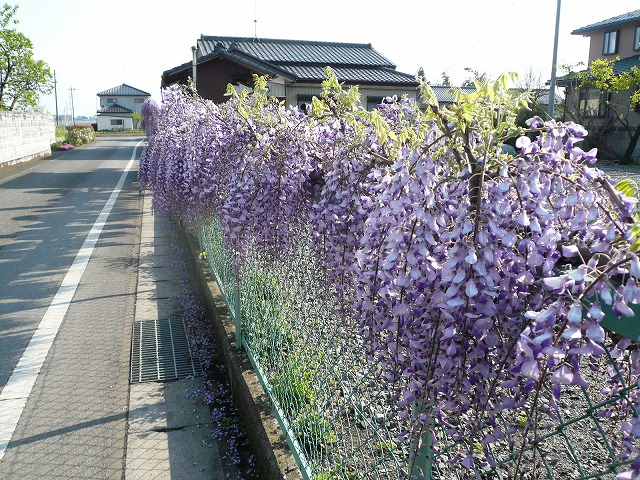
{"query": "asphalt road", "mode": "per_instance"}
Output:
(73, 421)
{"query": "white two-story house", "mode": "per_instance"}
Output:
(116, 106)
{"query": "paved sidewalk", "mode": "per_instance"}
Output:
(169, 436)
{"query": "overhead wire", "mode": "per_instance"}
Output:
(487, 30)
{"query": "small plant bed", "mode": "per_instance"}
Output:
(62, 146)
(74, 135)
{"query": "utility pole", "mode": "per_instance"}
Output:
(73, 114)
(552, 90)
(55, 90)
(194, 67)
(255, 19)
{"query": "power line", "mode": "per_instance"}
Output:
(481, 36)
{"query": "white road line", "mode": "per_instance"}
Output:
(17, 390)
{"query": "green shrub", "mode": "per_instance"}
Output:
(293, 387)
(339, 472)
(314, 431)
(80, 134)
(264, 319)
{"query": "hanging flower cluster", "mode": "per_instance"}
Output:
(150, 112)
(476, 279)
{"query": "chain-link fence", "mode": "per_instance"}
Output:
(341, 421)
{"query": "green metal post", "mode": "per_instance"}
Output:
(422, 451)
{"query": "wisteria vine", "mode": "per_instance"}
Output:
(477, 279)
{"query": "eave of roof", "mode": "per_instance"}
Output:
(115, 108)
(180, 68)
(619, 67)
(251, 62)
(609, 23)
(352, 75)
(238, 57)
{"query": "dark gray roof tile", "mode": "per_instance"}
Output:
(619, 67)
(300, 60)
(446, 93)
(115, 108)
(626, 64)
(609, 23)
(304, 60)
(314, 73)
(298, 51)
(124, 90)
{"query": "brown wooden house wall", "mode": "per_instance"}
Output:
(214, 76)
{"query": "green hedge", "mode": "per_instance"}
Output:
(80, 134)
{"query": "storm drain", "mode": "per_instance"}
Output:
(160, 351)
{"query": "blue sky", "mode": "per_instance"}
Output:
(94, 45)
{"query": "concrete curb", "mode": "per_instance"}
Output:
(168, 433)
(272, 454)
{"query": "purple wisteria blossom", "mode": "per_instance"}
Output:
(477, 281)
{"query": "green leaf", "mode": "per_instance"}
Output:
(627, 187)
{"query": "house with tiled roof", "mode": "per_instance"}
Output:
(116, 106)
(296, 68)
(616, 36)
(618, 39)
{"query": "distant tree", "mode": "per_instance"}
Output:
(22, 78)
(446, 81)
(474, 76)
(619, 95)
(421, 73)
(531, 83)
(136, 117)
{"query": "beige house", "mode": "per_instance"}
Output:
(295, 69)
(618, 39)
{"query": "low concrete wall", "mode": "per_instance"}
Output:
(24, 136)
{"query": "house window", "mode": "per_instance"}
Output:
(304, 102)
(138, 100)
(636, 39)
(593, 102)
(610, 43)
(116, 122)
(112, 100)
(373, 102)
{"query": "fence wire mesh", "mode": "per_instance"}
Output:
(341, 420)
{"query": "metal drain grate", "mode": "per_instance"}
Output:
(160, 351)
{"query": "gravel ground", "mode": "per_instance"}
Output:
(620, 172)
